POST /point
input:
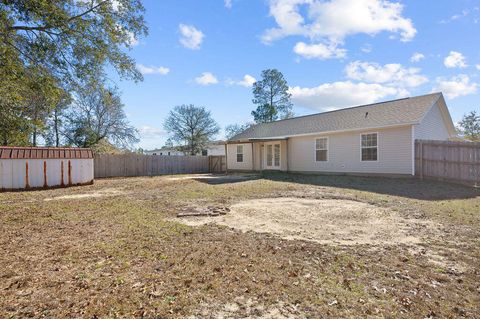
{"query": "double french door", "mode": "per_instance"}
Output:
(272, 156)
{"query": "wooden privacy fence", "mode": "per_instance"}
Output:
(148, 165)
(217, 164)
(450, 161)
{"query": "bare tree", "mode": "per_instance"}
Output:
(191, 126)
(97, 115)
(235, 129)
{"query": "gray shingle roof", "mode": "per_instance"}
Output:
(390, 113)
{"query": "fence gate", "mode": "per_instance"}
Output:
(450, 161)
(217, 164)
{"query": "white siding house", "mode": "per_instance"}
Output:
(434, 126)
(165, 151)
(371, 139)
(215, 148)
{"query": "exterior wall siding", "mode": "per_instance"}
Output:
(257, 156)
(254, 157)
(344, 153)
(247, 164)
(432, 126)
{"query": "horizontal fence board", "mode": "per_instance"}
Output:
(449, 161)
(128, 165)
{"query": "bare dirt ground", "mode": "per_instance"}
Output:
(290, 246)
(326, 221)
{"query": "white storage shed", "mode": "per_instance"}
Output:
(43, 167)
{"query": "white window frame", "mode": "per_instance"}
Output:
(378, 147)
(240, 153)
(315, 149)
(273, 155)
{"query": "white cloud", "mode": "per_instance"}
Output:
(455, 60)
(457, 16)
(417, 57)
(319, 51)
(367, 48)
(115, 5)
(247, 81)
(132, 41)
(330, 96)
(228, 4)
(464, 13)
(206, 78)
(478, 66)
(191, 37)
(148, 132)
(336, 19)
(393, 74)
(456, 86)
(152, 69)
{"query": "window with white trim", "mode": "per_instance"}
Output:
(239, 153)
(369, 147)
(321, 149)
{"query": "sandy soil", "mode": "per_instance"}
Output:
(102, 193)
(246, 308)
(326, 221)
(233, 177)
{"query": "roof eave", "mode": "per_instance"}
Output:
(283, 137)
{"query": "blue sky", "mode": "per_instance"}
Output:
(334, 54)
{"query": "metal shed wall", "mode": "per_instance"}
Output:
(25, 168)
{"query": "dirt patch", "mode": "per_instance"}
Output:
(246, 308)
(326, 221)
(210, 211)
(240, 177)
(102, 193)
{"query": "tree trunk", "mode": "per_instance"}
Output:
(55, 123)
(34, 137)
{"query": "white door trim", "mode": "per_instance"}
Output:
(273, 166)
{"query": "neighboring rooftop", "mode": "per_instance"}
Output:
(383, 114)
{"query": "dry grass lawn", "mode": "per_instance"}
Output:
(292, 246)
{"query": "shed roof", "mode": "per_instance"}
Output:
(384, 114)
(9, 152)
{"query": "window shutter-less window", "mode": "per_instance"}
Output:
(369, 147)
(239, 153)
(321, 149)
